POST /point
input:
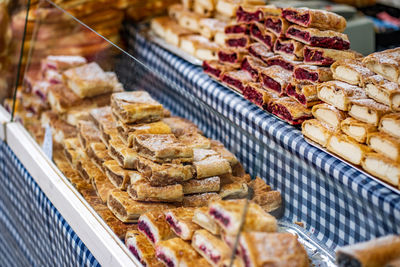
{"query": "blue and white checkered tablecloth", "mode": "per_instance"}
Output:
(32, 231)
(338, 204)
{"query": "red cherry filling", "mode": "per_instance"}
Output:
(316, 56)
(219, 217)
(254, 53)
(300, 34)
(282, 63)
(243, 16)
(209, 69)
(231, 29)
(291, 91)
(302, 74)
(227, 57)
(247, 67)
(136, 254)
(275, 26)
(256, 33)
(41, 95)
(144, 228)
(237, 42)
(325, 42)
(174, 226)
(293, 16)
(233, 82)
(253, 95)
(286, 48)
(271, 83)
(167, 261)
(50, 66)
(245, 257)
(210, 255)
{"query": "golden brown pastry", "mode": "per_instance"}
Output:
(98, 153)
(256, 93)
(250, 13)
(304, 93)
(154, 227)
(194, 186)
(277, 25)
(282, 62)
(328, 114)
(175, 11)
(351, 71)
(126, 157)
(382, 167)
(225, 153)
(383, 91)
(201, 218)
(289, 110)
(275, 78)
(326, 56)
(103, 186)
(103, 119)
(141, 190)
(260, 33)
(209, 163)
(199, 46)
(216, 69)
(347, 148)
(180, 126)
(228, 8)
(199, 200)
(311, 73)
(234, 190)
(141, 248)
(159, 25)
(190, 20)
(317, 131)
(237, 79)
(385, 63)
(356, 129)
(61, 63)
(253, 66)
(202, 9)
(260, 51)
(209, 27)
(175, 32)
(195, 140)
(390, 124)
(231, 57)
(180, 221)
(368, 110)
(289, 48)
(385, 144)
(88, 133)
(117, 175)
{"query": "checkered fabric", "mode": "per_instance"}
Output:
(33, 232)
(338, 204)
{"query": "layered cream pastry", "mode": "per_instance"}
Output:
(209, 27)
(175, 32)
(382, 167)
(180, 221)
(275, 78)
(385, 63)
(304, 93)
(234, 190)
(351, 71)
(141, 248)
(368, 110)
(259, 32)
(140, 189)
(237, 80)
(289, 48)
(283, 62)
(310, 73)
(200, 47)
(383, 91)
(201, 218)
(229, 8)
(117, 175)
(260, 51)
(326, 56)
(356, 129)
(194, 186)
(189, 20)
(154, 227)
(159, 25)
(216, 69)
(231, 57)
(253, 66)
(347, 148)
(209, 163)
(390, 124)
(385, 144)
(339, 94)
(103, 119)
(277, 25)
(328, 114)
(258, 95)
(317, 131)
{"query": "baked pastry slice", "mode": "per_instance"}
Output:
(234, 190)
(224, 153)
(202, 9)
(128, 210)
(175, 11)
(236, 28)
(194, 186)
(236, 80)
(260, 51)
(390, 124)
(326, 56)
(126, 157)
(228, 215)
(356, 129)
(283, 249)
(315, 18)
(199, 47)
(339, 94)
(180, 126)
(159, 25)
(351, 71)
(209, 27)
(231, 57)
(61, 63)
(180, 221)
(98, 153)
(104, 121)
(275, 78)
(289, 48)
(195, 140)
(256, 93)
(141, 190)
(154, 227)
(310, 73)
(118, 227)
(259, 32)
(175, 32)
(383, 91)
(117, 175)
(208, 163)
(347, 148)
(385, 144)
(277, 25)
(304, 93)
(253, 66)
(88, 133)
(229, 8)
(251, 13)
(213, 249)
(283, 62)
(317, 131)
(270, 201)
(289, 110)
(199, 200)
(238, 41)
(215, 68)
(385, 63)
(141, 248)
(328, 114)
(189, 20)
(384, 168)
(103, 186)
(368, 110)
(201, 218)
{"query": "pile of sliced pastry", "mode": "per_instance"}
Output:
(360, 119)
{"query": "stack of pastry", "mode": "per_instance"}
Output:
(206, 236)
(358, 120)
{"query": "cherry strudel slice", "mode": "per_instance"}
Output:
(304, 93)
(260, 51)
(237, 41)
(256, 93)
(231, 57)
(290, 110)
(356, 129)
(209, 163)
(385, 144)
(194, 186)
(325, 56)
(347, 148)
(385, 63)
(204, 220)
(236, 28)
(277, 25)
(247, 14)
(317, 131)
(259, 32)
(275, 78)
(154, 227)
(141, 248)
(228, 8)
(390, 124)
(236, 80)
(382, 167)
(315, 18)
(253, 66)
(328, 114)
(310, 73)
(368, 110)
(383, 91)
(283, 62)
(351, 71)
(180, 221)
(216, 69)
(289, 48)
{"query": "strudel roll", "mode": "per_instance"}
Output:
(195, 140)
(224, 153)
(208, 163)
(234, 190)
(202, 9)
(199, 200)
(212, 248)
(310, 73)
(289, 48)
(194, 186)
(289, 110)
(385, 63)
(189, 20)
(229, 8)
(117, 175)
(237, 41)
(236, 80)
(128, 210)
(175, 11)
(87, 170)
(175, 32)
(351, 71)
(118, 227)
(88, 133)
(216, 69)
(304, 93)
(356, 129)
(102, 118)
(328, 114)
(180, 126)
(209, 27)
(236, 28)
(383, 91)
(126, 157)
(103, 186)
(142, 191)
(339, 94)
(256, 93)
(277, 25)
(317, 131)
(180, 221)
(61, 63)
(231, 57)
(390, 124)
(325, 56)
(200, 47)
(259, 32)
(141, 248)
(275, 78)
(385, 144)
(283, 62)
(128, 132)
(201, 218)
(279, 249)
(382, 167)
(228, 214)
(253, 66)
(315, 18)
(375, 252)
(347, 148)
(154, 227)
(269, 201)
(368, 110)
(134, 107)
(260, 51)
(159, 25)
(250, 13)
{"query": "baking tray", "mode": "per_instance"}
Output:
(394, 189)
(318, 254)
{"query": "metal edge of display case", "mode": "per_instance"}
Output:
(4, 119)
(105, 246)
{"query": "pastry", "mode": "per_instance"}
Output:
(88, 80)
(328, 114)
(385, 144)
(289, 110)
(253, 66)
(283, 62)
(275, 78)
(236, 28)
(339, 94)
(189, 20)
(216, 69)
(382, 167)
(135, 107)
(128, 210)
(209, 27)
(385, 63)
(159, 25)
(118, 227)
(260, 51)
(314, 74)
(315, 18)
(98, 153)
(237, 41)
(175, 32)
(154, 227)
(199, 200)
(74, 116)
(141, 190)
(315, 37)
(375, 252)
(326, 56)
(259, 185)
(102, 118)
(259, 32)
(201, 218)
(61, 63)
(231, 57)
(383, 91)
(200, 47)
(70, 151)
(219, 38)
(176, 252)
(208, 163)
(194, 140)
(202, 9)
(213, 249)
(250, 13)
(126, 157)
(317, 131)
(194, 186)
(390, 124)
(351, 71)
(117, 175)
(304, 93)
(141, 248)
(188, 4)
(180, 126)
(356, 129)
(234, 191)
(393, 263)
(277, 25)
(224, 153)
(269, 201)
(236, 80)
(289, 48)
(228, 8)
(175, 11)
(347, 148)
(103, 186)
(180, 221)
(228, 215)
(209, 4)
(88, 133)
(279, 249)
(368, 110)
(86, 169)
(255, 93)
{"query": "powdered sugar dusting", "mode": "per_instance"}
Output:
(370, 103)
